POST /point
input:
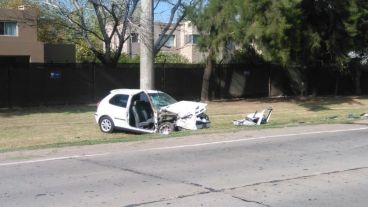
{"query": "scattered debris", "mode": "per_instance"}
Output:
(350, 116)
(256, 118)
(332, 117)
(364, 115)
(353, 116)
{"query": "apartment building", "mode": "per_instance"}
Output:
(188, 35)
(18, 35)
(183, 41)
(19, 43)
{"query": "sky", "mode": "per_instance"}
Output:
(162, 12)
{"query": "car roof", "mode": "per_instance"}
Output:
(128, 91)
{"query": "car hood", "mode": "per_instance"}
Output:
(186, 108)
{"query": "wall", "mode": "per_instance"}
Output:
(25, 44)
(49, 84)
(59, 53)
(189, 50)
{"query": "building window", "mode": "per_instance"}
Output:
(8, 28)
(191, 39)
(170, 42)
(134, 37)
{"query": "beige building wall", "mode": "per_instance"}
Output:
(129, 47)
(25, 42)
(158, 27)
(188, 50)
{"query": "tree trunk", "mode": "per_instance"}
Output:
(207, 76)
(106, 59)
(110, 62)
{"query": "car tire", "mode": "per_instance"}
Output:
(166, 128)
(106, 124)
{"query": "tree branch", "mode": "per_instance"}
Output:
(160, 42)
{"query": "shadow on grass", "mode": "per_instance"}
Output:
(317, 104)
(66, 109)
(311, 103)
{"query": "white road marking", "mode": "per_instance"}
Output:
(182, 146)
(51, 159)
(252, 139)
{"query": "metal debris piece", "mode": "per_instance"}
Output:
(256, 118)
(364, 115)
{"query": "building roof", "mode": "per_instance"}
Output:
(28, 15)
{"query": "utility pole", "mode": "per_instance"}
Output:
(147, 78)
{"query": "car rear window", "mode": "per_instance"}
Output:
(119, 100)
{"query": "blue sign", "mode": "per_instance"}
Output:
(56, 74)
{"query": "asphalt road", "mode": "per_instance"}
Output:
(305, 166)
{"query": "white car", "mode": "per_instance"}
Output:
(148, 111)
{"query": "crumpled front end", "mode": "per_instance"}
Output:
(190, 115)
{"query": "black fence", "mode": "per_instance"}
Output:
(51, 84)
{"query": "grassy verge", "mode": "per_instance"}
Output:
(45, 127)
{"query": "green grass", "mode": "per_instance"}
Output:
(47, 127)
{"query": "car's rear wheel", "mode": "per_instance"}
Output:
(166, 128)
(106, 124)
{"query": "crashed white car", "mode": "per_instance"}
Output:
(148, 111)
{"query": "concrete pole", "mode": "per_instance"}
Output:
(147, 78)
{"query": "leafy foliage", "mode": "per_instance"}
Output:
(161, 57)
(298, 34)
(13, 4)
(101, 25)
(214, 21)
(124, 58)
(357, 26)
(330, 38)
(84, 54)
(165, 57)
(266, 26)
(49, 29)
(287, 31)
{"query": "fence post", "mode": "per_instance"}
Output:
(93, 83)
(163, 78)
(7, 86)
(269, 82)
(10, 105)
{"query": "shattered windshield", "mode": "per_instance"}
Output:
(161, 99)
